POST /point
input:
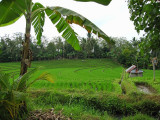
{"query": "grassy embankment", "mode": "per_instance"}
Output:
(89, 89)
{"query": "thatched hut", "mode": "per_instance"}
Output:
(134, 72)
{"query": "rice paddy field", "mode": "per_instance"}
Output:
(93, 74)
(90, 89)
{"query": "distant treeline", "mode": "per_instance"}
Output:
(124, 52)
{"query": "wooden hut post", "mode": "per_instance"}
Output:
(154, 63)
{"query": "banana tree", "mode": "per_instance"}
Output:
(12, 10)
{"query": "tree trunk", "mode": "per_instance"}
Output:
(26, 53)
(26, 58)
(154, 62)
(153, 71)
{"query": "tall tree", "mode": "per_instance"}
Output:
(11, 47)
(12, 10)
(59, 46)
(146, 16)
(51, 50)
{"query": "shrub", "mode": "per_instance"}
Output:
(13, 93)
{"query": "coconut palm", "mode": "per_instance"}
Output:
(12, 10)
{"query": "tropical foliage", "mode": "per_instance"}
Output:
(35, 15)
(13, 93)
(56, 48)
(146, 17)
(124, 52)
(58, 15)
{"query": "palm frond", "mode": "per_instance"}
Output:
(43, 76)
(20, 84)
(62, 26)
(38, 19)
(46, 76)
(19, 96)
(103, 2)
(4, 81)
(73, 17)
(3, 94)
(11, 11)
(11, 107)
(23, 83)
(11, 97)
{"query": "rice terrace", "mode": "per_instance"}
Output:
(60, 72)
(88, 89)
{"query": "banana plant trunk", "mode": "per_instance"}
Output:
(26, 53)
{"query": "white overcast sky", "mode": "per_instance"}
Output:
(113, 19)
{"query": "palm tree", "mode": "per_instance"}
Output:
(12, 93)
(12, 10)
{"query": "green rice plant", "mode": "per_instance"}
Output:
(105, 87)
(74, 84)
(99, 87)
(94, 86)
(128, 86)
(138, 117)
(78, 85)
(84, 85)
(81, 112)
(67, 85)
(63, 71)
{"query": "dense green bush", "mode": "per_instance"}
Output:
(13, 93)
(112, 104)
(138, 117)
(148, 107)
(48, 98)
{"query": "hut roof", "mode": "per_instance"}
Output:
(130, 68)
